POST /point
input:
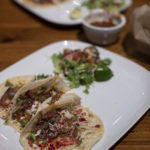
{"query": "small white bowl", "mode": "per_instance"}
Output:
(102, 35)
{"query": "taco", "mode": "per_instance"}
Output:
(65, 125)
(33, 97)
(8, 89)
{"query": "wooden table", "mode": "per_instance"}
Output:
(22, 33)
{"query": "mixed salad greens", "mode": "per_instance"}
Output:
(104, 4)
(114, 5)
(82, 67)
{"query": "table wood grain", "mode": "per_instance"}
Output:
(22, 33)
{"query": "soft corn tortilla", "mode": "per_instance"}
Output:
(16, 81)
(90, 137)
(56, 82)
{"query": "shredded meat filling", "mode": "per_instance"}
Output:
(30, 100)
(49, 126)
(5, 100)
(55, 98)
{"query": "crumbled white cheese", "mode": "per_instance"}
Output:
(67, 114)
(33, 108)
(38, 132)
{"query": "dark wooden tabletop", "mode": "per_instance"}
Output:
(22, 33)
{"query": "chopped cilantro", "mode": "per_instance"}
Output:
(73, 117)
(69, 108)
(20, 98)
(87, 89)
(32, 136)
(64, 129)
(8, 84)
(79, 142)
(6, 120)
(23, 122)
(41, 76)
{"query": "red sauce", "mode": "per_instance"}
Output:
(104, 23)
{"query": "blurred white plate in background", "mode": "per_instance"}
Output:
(60, 14)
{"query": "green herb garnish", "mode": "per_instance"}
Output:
(69, 108)
(23, 122)
(41, 76)
(32, 136)
(6, 120)
(79, 67)
(20, 98)
(73, 117)
(79, 142)
(87, 89)
(8, 84)
(104, 4)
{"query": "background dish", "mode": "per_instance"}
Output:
(60, 14)
(120, 102)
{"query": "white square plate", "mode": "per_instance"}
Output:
(60, 14)
(119, 102)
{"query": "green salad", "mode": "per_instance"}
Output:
(104, 4)
(82, 67)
